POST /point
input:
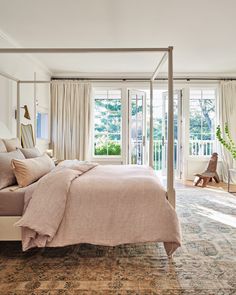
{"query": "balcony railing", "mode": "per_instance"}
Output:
(201, 147)
(196, 148)
(160, 152)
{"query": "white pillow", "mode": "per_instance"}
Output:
(30, 152)
(29, 170)
(7, 176)
(12, 144)
(3, 148)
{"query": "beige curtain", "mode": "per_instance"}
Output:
(227, 113)
(70, 117)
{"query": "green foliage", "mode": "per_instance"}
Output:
(114, 148)
(201, 123)
(228, 143)
(110, 148)
(107, 127)
(135, 110)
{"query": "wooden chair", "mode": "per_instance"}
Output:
(210, 173)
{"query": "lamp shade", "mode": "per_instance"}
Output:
(26, 114)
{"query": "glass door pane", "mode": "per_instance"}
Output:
(177, 131)
(137, 130)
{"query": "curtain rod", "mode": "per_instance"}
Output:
(147, 80)
(122, 80)
(114, 79)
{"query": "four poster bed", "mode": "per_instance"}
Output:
(105, 205)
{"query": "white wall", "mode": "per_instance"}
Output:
(8, 104)
(5, 93)
(22, 67)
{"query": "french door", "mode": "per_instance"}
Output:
(178, 157)
(137, 131)
(137, 127)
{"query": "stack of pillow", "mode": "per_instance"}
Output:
(21, 165)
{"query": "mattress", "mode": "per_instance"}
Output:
(12, 201)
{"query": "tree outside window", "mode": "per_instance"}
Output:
(107, 123)
(202, 114)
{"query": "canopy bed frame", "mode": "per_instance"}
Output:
(14, 233)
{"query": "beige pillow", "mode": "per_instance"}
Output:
(7, 176)
(29, 170)
(31, 153)
(12, 144)
(3, 148)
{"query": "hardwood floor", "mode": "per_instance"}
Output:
(212, 185)
(189, 183)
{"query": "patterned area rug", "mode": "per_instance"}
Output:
(205, 264)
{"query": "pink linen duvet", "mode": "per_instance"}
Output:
(101, 205)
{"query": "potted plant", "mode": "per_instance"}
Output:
(227, 142)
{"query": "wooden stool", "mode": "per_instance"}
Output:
(210, 173)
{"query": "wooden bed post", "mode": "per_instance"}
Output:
(151, 126)
(18, 110)
(155, 73)
(170, 149)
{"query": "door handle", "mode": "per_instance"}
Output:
(163, 141)
(144, 140)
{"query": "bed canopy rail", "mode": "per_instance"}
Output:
(82, 50)
(167, 55)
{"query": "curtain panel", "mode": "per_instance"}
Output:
(71, 119)
(227, 114)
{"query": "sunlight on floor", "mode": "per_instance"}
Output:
(215, 189)
(228, 202)
(216, 215)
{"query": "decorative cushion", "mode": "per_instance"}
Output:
(7, 176)
(3, 148)
(31, 153)
(29, 170)
(12, 144)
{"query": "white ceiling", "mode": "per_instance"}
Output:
(202, 32)
(102, 62)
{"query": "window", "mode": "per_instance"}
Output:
(107, 123)
(202, 114)
(42, 125)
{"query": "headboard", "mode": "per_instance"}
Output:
(4, 131)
